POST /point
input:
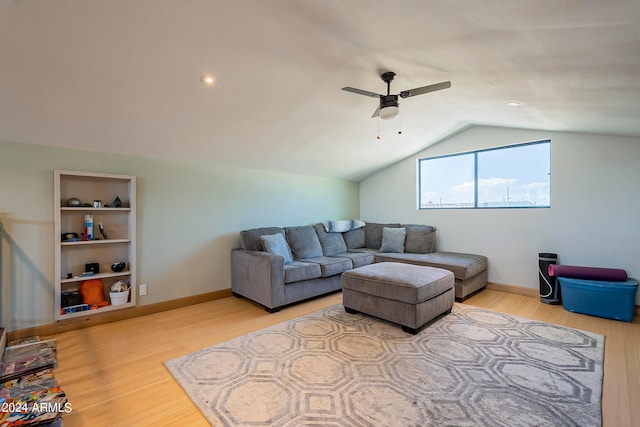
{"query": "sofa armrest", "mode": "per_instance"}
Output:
(258, 276)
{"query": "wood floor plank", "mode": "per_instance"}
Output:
(114, 375)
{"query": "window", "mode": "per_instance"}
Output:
(516, 176)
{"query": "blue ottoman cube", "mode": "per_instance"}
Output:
(611, 300)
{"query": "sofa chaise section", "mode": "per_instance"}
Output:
(418, 248)
(469, 270)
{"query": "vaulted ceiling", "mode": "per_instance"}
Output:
(123, 76)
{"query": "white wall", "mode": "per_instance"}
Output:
(189, 217)
(594, 219)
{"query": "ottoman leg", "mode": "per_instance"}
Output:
(411, 331)
(350, 310)
(414, 331)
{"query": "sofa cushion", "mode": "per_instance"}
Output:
(463, 266)
(393, 239)
(330, 266)
(297, 271)
(250, 239)
(358, 259)
(420, 239)
(304, 242)
(277, 245)
(373, 234)
(332, 243)
(354, 239)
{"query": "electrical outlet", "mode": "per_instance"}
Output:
(142, 289)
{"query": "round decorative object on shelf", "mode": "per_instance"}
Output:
(69, 237)
(118, 266)
(73, 202)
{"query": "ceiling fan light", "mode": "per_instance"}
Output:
(390, 112)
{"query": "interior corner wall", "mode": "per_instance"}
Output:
(593, 219)
(189, 216)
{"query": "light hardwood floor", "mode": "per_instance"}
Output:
(114, 375)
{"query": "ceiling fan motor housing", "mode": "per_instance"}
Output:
(388, 107)
(388, 101)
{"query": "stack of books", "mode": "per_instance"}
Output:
(30, 395)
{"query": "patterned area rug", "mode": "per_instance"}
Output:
(473, 367)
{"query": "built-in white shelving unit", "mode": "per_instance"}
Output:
(119, 224)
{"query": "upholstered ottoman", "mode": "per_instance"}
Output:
(407, 294)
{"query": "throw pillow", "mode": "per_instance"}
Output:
(277, 245)
(393, 239)
(420, 239)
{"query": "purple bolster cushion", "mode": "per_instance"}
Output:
(588, 273)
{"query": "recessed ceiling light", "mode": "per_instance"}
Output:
(208, 79)
(513, 104)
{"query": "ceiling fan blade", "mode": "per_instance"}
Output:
(361, 92)
(376, 113)
(425, 89)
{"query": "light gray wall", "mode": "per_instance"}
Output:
(189, 216)
(593, 219)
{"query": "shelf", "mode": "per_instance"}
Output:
(95, 276)
(95, 242)
(90, 209)
(88, 313)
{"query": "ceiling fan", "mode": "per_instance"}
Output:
(388, 108)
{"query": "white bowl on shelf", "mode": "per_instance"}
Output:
(119, 298)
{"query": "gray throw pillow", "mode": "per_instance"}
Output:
(420, 239)
(276, 244)
(393, 239)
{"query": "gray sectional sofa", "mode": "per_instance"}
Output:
(278, 266)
